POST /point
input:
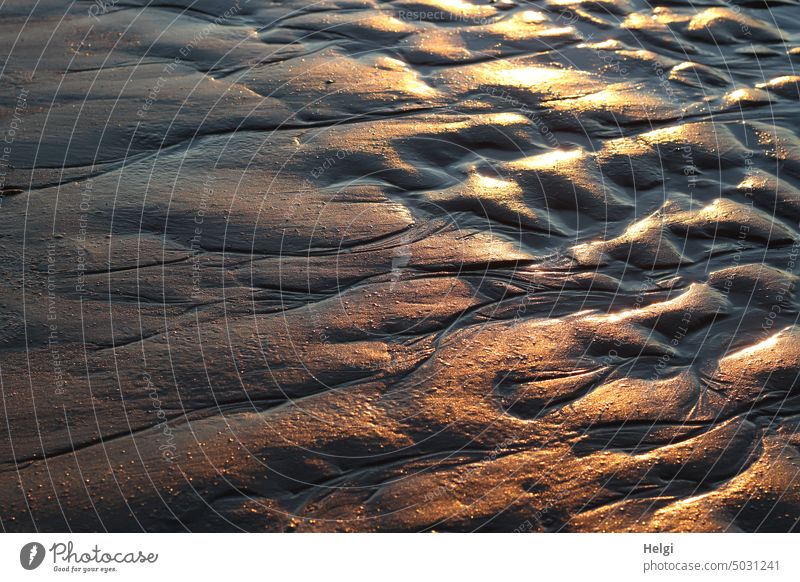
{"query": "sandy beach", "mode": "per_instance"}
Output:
(400, 266)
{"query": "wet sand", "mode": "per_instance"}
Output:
(428, 265)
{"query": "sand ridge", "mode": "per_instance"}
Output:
(423, 265)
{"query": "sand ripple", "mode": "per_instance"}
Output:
(388, 266)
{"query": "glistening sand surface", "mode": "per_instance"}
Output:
(400, 266)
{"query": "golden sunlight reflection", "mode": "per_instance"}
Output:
(461, 7)
(477, 265)
(623, 100)
(744, 96)
(549, 159)
(656, 21)
(528, 26)
(532, 76)
(532, 17)
(507, 118)
(409, 81)
(766, 344)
